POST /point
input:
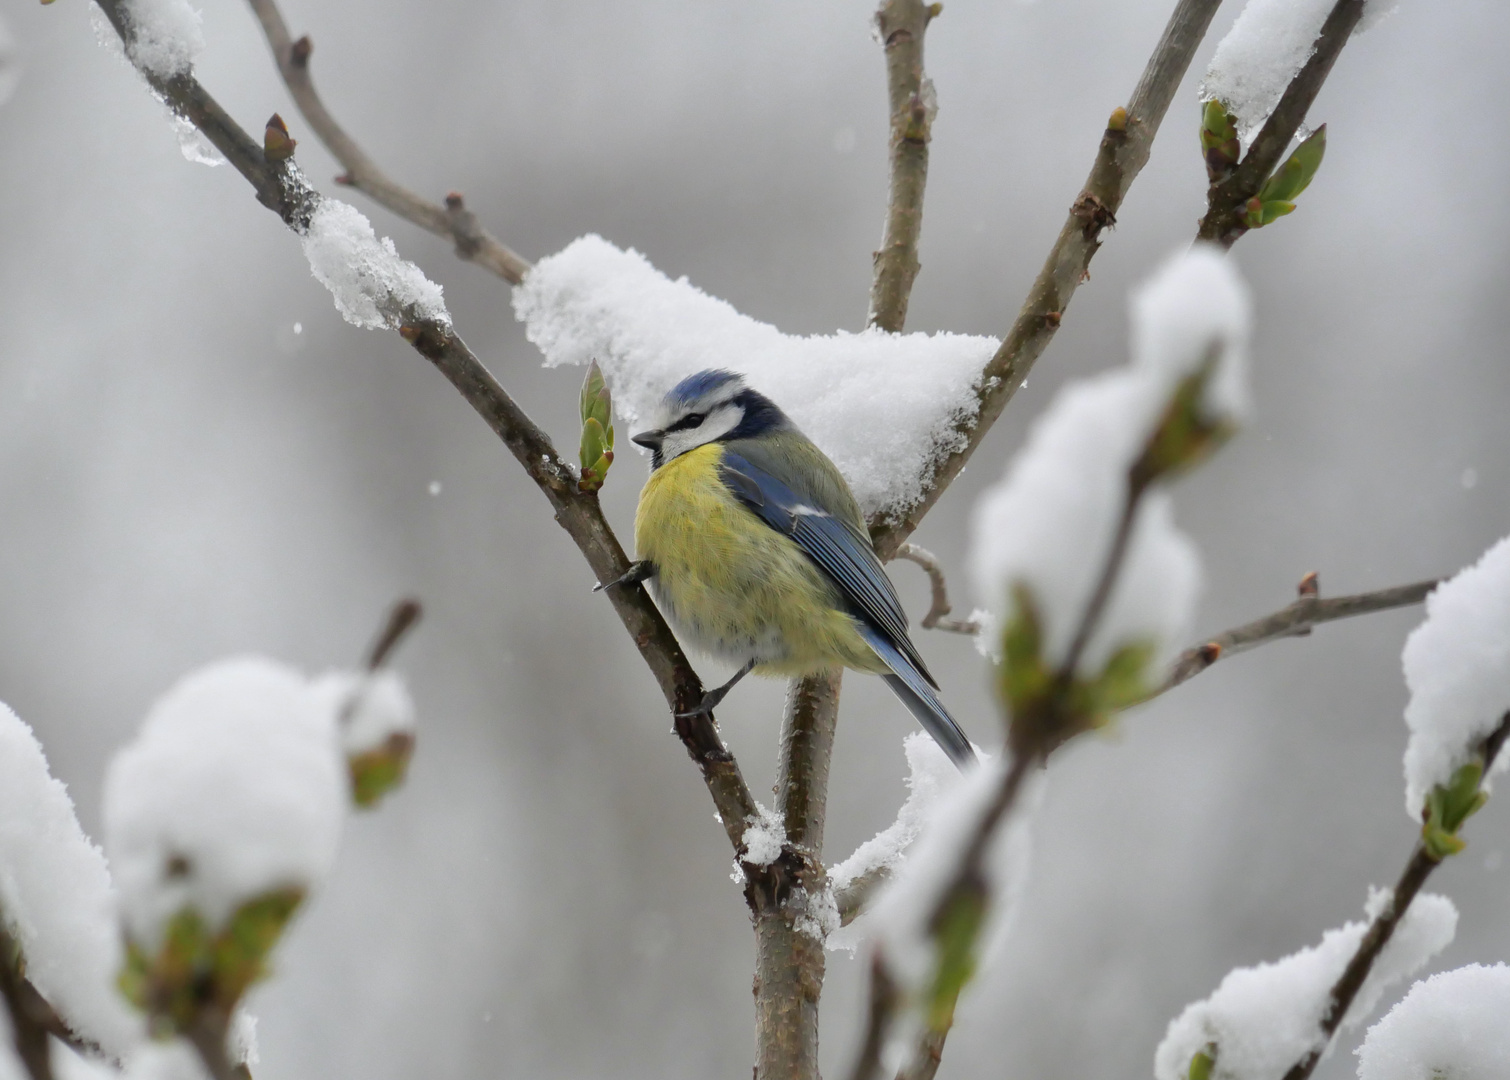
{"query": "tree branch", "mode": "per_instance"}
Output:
(282, 187)
(902, 24)
(1227, 198)
(1294, 620)
(403, 617)
(453, 221)
(1417, 870)
(937, 617)
(1123, 152)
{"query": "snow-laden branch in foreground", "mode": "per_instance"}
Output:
(1263, 1019)
(235, 788)
(930, 776)
(885, 407)
(1045, 532)
(374, 287)
(1457, 666)
(56, 899)
(1264, 50)
(1452, 1025)
(930, 935)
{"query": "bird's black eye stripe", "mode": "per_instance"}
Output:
(691, 420)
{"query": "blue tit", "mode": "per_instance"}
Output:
(754, 547)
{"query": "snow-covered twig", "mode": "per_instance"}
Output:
(938, 613)
(901, 25)
(1227, 199)
(1422, 862)
(1121, 156)
(280, 187)
(453, 221)
(1293, 620)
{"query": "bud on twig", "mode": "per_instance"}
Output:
(1219, 142)
(1277, 197)
(277, 145)
(597, 430)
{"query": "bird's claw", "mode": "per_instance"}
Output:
(638, 571)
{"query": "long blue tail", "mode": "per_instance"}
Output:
(909, 684)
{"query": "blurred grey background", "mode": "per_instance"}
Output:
(198, 457)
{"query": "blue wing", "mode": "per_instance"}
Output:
(836, 546)
(907, 683)
(846, 556)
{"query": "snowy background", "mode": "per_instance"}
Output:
(198, 457)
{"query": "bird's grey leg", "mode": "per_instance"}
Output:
(638, 571)
(717, 694)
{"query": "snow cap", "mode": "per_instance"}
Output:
(234, 788)
(887, 408)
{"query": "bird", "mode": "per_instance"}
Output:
(754, 547)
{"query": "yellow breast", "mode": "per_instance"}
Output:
(734, 586)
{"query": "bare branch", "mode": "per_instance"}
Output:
(282, 187)
(404, 616)
(1417, 870)
(32, 1019)
(852, 899)
(902, 24)
(937, 617)
(1227, 199)
(1294, 620)
(883, 1007)
(1123, 152)
(925, 1062)
(453, 221)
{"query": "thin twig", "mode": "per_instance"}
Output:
(1227, 199)
(1123, 152)
(937, 617)
(1417, 870)
(929, 1053)
(401, 619)
(1294, 620)
(29, 1013)
(902, 24)
(453, 221)
(883, 1007)
(281, 187)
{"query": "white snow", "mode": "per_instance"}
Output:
(369, 707)
(234, 787)
(1267, 45)
(904, 908)
(764, 835)
(1457, 666)
(1050, 523)
(373, 286)
(930, 775)
(56, 897)
(1264, 1019)
(167, 36)
(884, 407)
(1452, 1026)
(193, 144)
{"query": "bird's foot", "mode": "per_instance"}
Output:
(640, 570)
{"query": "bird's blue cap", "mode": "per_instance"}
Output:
(695, 387)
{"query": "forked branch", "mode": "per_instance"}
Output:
(453, 221)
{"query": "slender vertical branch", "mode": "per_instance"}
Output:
(1121, 156)
(28, 1012)
(1227, 199)
(453, 221)
(1417, 870)
(902, 24)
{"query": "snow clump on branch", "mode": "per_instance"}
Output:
(1457, 666)
(373, 286)
(1049, 525)
(1262, 1020)
(235, 788)
(1450, 1025)
(167, 36)
(56, 899)
(887, 408)
(1265, 49)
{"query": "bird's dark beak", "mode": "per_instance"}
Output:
(650, 440)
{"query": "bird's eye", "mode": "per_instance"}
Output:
(692, 420)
